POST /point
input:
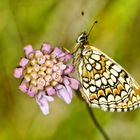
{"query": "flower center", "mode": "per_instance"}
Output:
(43, 71)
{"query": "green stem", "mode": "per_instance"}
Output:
(94, 120)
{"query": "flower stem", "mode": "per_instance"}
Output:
(94, 120)
(98, 126)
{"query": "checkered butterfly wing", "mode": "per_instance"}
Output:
(104, 83)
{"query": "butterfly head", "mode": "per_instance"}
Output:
(82, 38)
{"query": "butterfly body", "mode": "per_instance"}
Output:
(104, 83)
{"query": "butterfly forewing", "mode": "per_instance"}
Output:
(104, 83)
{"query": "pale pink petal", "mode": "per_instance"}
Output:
(56, 52)
(41, 60)
(49, 98)
(24, 86)
(61, 65)
(50, 91)
(46, 48)
(32, 91)
(59, 86)
(66, 81)
(69, 69)
(42, 101)
(28, 49)
(23, 62)
(38, 53)
(47, 56)
(62, 59)
(73, 83)
(63, 94)
(67, 85)
(62, 54)
(18, 72)
(68, 57)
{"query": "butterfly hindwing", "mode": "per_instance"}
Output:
(105, 83)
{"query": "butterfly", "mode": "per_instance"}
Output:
(104, 83)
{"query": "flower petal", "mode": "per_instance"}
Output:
(50, 91)
(61, 66)
(46, 48)
(73, 83)
(24, 86)
(63, 94)
(42, 101)
(23, 62)
(68, 57)
(69, 69)
(65, 57)
(41, 60)
(62, 54)
(38, 53)
(49, 98)
(67, 85)
(32, 91)
(56, 52)
(28, 49)
(18, 72)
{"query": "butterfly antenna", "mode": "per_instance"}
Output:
(92, 27)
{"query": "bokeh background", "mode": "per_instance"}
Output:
(59, 22)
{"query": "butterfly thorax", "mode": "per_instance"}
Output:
(77, 53)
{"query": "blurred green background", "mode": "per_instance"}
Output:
(59, 22)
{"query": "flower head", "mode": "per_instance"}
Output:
(44, 74)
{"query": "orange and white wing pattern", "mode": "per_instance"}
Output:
(104, 83)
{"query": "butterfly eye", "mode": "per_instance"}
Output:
(82, 38)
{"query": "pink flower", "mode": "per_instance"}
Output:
(44, 74)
